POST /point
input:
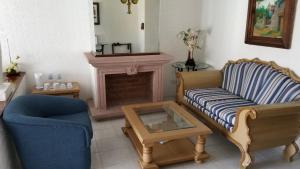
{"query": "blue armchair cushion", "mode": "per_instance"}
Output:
(50, 132)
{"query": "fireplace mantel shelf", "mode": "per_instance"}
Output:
(117, 60)
(134, 79)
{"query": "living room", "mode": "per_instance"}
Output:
(58, 38)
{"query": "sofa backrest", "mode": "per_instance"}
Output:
(245, 79)
(278, 88)
(261, 82)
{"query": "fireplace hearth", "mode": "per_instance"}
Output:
(125, 80)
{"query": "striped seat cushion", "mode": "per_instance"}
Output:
(202, 96)
(226, 125)
(278, 88)
(217, 103)
(245, 79)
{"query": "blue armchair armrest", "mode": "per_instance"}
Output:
(45, 106)
(34, 124)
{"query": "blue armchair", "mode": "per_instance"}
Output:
(50, 132)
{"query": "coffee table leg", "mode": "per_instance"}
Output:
(127, 124)
(126, 127)
(199, 149)
(146, 161)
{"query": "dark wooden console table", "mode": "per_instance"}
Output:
(100, 47)
(129, 46)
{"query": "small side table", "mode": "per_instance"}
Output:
(59, 92)
(181, 67)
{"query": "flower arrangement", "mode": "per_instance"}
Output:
(190, 38)
(12, 68)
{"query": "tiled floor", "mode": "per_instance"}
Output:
(112, 150)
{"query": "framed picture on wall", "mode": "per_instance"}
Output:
(96, 10)
(270, 23)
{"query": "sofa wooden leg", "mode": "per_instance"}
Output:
(290, 151)
(246, 159)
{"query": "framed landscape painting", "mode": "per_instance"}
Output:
(270, 23)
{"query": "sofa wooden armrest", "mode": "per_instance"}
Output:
(266, 126)
(197, 79)
(259, 127)
(271, 110)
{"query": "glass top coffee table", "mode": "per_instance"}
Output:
(160, 133)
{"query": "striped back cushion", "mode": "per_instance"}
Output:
(254, 79)
(233, 77)
(278, 88)
(290, 93)
(245, 79)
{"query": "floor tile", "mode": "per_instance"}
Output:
(94, 148)
(111, 149)
(113, 143)
(96, 161)
(105, 133)
(116, 157)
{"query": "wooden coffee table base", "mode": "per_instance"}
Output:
(175, 151)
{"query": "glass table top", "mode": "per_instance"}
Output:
(164, 119)
(181, 66)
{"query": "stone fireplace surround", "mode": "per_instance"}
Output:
(125, 79)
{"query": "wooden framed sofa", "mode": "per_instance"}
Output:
(253, 103)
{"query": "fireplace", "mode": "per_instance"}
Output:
(123, 89)
(122, 80)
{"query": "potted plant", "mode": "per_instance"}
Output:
(12, 69)
(191, 39)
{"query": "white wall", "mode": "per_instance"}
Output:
(141, 19)
(50, 36)
(176, 16)
(152, 11)
(226, 21)
(117, 26)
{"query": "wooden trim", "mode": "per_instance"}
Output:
(241, 135)
(272, 64)
(287, 25)
(290, 151)
(74, 91)
(17, 81)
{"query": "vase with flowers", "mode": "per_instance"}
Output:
(12, 69)
(190, 38)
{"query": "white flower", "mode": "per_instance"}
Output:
(190, 38)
